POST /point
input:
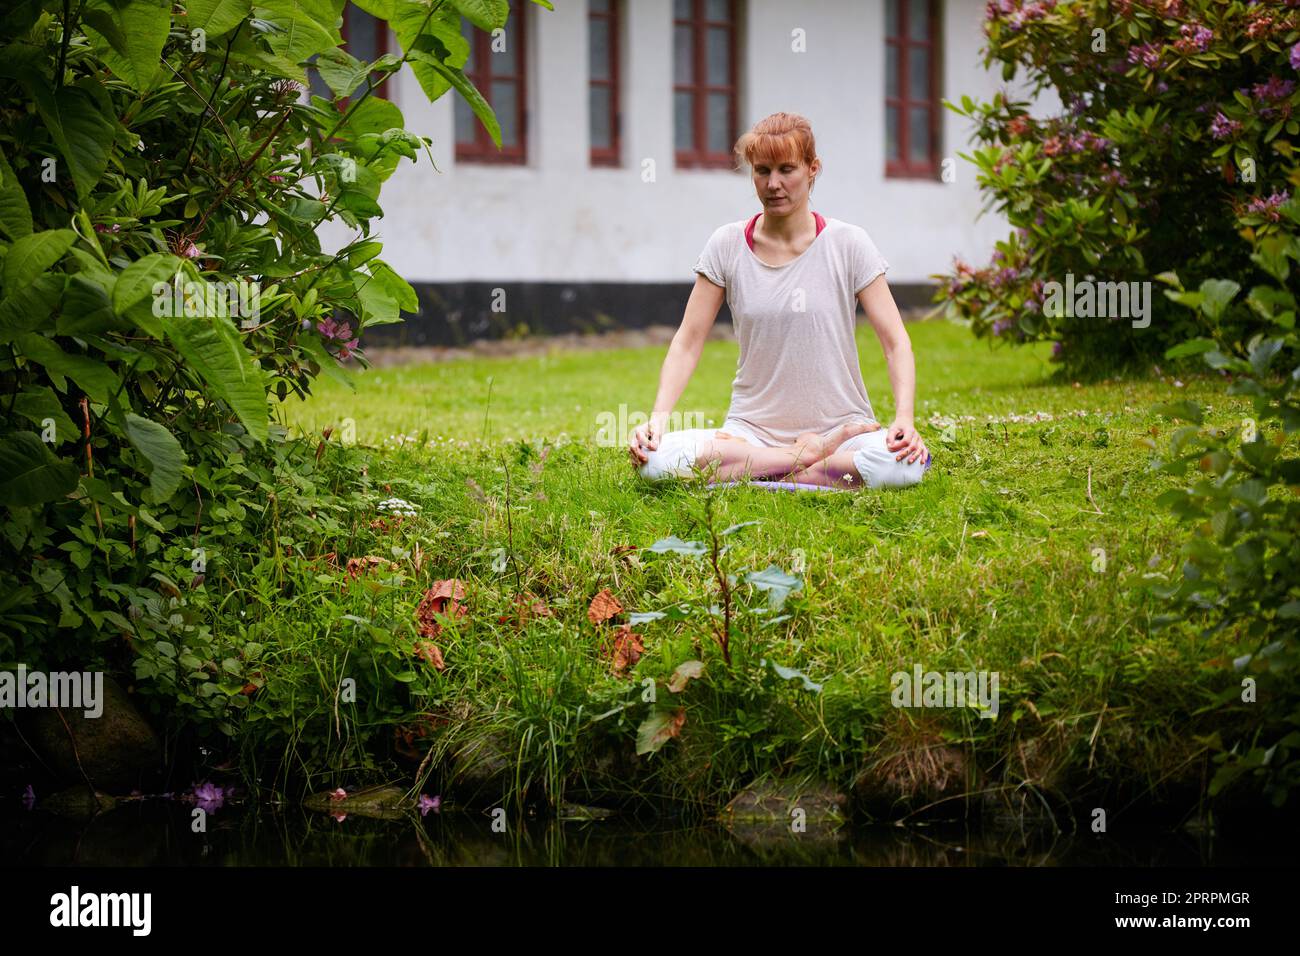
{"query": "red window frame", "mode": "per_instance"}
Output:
(481, 149)
(608, 155)
(700, 156)
(905, 167)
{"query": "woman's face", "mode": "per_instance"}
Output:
(783, 187)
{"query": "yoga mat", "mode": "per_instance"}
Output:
(793, 485)
(777, 485)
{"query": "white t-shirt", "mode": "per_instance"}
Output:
(798, 368)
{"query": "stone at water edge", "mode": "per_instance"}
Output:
(385, 803)
(773, 802)
(118, 750)
(78, 801)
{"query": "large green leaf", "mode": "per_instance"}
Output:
(38, 403)
(216, 17)
(484, 14)
(305, 27)
(129, 36)
(657, 729)
(378, 307)
(28, 308)
(31, 255)
(401, 291)
(1217, 294)
(776, 583)
(30, 474)
(383, 9)
(384, 295)
(374, 115)
(163, 451)
(467, 89)
(342, 71)
(82, 123)
(15, 213)
(95, 378)
(133, 295)
(88, 308)
(440, 36)
(212, 348)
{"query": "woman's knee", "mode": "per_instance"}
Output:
(879, 469)
(676, 455)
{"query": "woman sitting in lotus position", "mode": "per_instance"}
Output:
(792, 279)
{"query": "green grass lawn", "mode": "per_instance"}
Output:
(999, 561)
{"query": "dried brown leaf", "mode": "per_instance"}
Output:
(603, 606)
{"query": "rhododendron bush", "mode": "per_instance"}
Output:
(1169, 151)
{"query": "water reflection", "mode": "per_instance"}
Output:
(151, 833)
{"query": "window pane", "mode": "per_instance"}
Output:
(891, 70)
(891, 133)
(362, 35)
(503, 61)
(918, 69)
(918, 19)
(465, 121)
(717, 10)
(598, 102)
(891, 17)
(599, 6)
(599, 49)
(683, 130)
(718, 56)
(918, 134)
(719, 123)
(504, 103)
(467, 31)
(683, 62)
(682, 9)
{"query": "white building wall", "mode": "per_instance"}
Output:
(559, 219)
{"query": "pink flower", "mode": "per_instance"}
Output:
(427, 803)
(339, 794)
(1221, 127)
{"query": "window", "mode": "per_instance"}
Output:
(704, 82)
(499, 75)
(912, 106)
(366, 39)
(602, 85)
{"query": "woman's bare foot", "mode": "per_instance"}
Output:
(813, 447)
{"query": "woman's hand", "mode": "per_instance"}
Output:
(646, 437)
(904, 439)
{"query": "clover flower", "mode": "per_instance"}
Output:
(397, 506)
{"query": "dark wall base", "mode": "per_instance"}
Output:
(456, 313)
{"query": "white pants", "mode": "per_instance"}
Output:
(874, 461)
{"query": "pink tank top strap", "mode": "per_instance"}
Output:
(749, 229)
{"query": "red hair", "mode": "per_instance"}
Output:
(776, 139)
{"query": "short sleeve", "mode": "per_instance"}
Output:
(712, 262)
(868, 263)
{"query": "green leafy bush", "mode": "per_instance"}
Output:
(162, 180)
(1174, 131)
(1241, 569)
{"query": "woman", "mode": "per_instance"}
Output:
(793, 279)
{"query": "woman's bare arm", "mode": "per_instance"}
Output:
(878, 302)
(679, 364)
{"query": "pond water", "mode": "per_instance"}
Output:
(152, 833)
